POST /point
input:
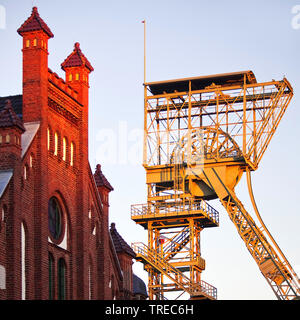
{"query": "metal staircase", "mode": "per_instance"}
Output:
(148, 256)
(176, 244)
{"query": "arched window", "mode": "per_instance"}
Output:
(17, 140)
(51, 276)
(23, 261)
(72, 154)
(26, 171)
(7, 138)
(55, 219)
(64, 149)
(61, 279)
(2, 277)
(56, 144)
(3, 213)
(31, 161)
(48, 139)
(113, 287)
(97, 232)
(90, 281)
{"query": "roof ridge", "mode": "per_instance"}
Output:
(38, 16)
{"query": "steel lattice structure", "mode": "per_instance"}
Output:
(201, 135)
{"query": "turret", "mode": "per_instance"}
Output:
(104, 187)
(78, 68)
(36, 34)
(11, 129)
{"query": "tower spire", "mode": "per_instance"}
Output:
(76, 59)
(78, 68)
(35, 23)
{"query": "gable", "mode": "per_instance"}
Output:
(5, 176)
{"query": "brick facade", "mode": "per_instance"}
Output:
(55, 241)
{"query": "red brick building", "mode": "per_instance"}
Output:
(55, 241)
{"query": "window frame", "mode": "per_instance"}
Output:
(61, 279)
(51, 276)
(56, 144)
(59, 226)
(65, 146)
(72, 154)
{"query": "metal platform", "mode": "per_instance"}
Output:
(169, 213)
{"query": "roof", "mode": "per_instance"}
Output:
(115, 256)
(139, 286)
(16, 102)
(5, 176)
(119, 243)
(35, 23)
(8, 117)
(28, 135)
(100, 179)
(76, 59)
(201, 82)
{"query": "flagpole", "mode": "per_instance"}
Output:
(145, 51)
(145, 103)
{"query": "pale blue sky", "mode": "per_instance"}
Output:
(184, 38)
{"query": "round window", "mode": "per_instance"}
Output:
(55, 219)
